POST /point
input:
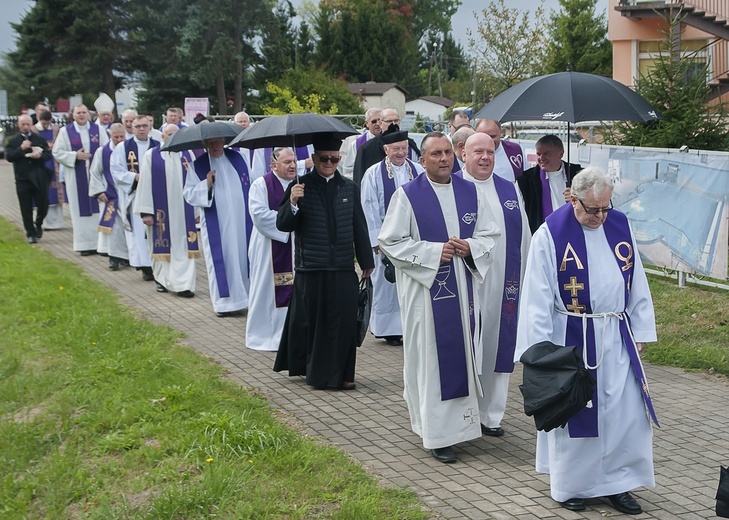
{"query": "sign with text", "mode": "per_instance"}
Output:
(195, 106)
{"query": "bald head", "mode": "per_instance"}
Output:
(491, 128)
(479, 156)
(459, 140)
(24, 124)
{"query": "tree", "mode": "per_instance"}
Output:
(676, 87)
(278, 45)
(509, 46)
(579, 39)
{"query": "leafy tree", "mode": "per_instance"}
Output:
(509, 46)
(278, 46)
(579, 39)
(309, 89)
(443, 68)
(676, 87)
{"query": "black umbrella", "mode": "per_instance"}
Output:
(192, 137)
(291, 130)
(556, 385)
(571, 97)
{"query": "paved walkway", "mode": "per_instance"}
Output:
(494, 477)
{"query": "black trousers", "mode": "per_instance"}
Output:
(27, 193)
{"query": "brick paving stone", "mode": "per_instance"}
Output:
(494, 478)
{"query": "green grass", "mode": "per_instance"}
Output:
(104, 416)
(693, 327)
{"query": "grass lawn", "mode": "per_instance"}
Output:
(103, 415)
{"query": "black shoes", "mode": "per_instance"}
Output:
(88, 252)
(38, 231)
(32, 240)
(625, 503)
(113, 265)
(186, 294)
(349, 385)
(492, 432)
(393, 341)
(574, 504)
(147, 274)
(160, 287)
(446, 454)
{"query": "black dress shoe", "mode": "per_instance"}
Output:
(348, 385)
(38, 231)
(113, 265)
(574, 504)
(88, 252)
(393, 341)
(625, 503)
(223, 314)
(32, 240)
(492, 432)
(160, 287)
(186, 294)
(446, 454)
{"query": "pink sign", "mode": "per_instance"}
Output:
(195, 106)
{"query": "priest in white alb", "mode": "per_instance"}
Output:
(170, 221)
(378, 185)
(220, 186)
(499, 293)
(271, 254)
(74, 148)
(112, 236)
(440, 234)
(585, 286)
(125, 162)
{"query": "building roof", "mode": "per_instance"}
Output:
(373, 88)
(438, 100)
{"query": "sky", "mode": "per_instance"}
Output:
(13, 11)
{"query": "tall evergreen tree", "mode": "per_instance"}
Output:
(278, 46)
(579, 39)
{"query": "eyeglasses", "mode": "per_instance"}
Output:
(595, 211)
(391, 121)
(329, 158)
(374, 121)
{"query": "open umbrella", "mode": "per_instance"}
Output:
(291, 130)
(570, 97)
(192, 137)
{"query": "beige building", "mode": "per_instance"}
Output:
(636, 32)
(380, 95)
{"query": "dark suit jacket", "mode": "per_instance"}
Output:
(531, 189)
(27, 169)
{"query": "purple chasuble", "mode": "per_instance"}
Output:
(87, 206)
(362, 139)
(516, 158)
(574, 283)
(444, 292)
(388, 182)
(109, 215)
(56, 192)
(202, 167)
(161, 244)
(283, 267)
(512, 274)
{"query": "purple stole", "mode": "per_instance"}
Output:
(133, 159)
(516, 157)
(456, 166)
(109, 215)
(444, 292)
(56, 192)
(512, 274)
(87, 206)
(547, 192)
(161, 245)
(574, 283)
(362, 139)
(283, 270)
(202, 167)
(388, 183)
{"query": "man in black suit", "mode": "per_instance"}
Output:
(546, 186)
(28, 151)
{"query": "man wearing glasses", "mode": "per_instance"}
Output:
(352, 144)
(546, 187)
(585, 286)
(373, 152)
(324, 211)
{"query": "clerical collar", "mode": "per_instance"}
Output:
(490, 178)
(140, 142)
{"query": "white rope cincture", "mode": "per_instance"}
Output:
(584, 317)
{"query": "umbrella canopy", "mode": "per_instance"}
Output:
(556, 385)
(571, 97)
(291, 130)
(192, 137)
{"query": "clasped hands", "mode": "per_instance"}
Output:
(455, 247)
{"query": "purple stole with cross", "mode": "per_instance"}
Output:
(444, 293)
(56, 191)
(161, 244)
(512, 274)
(133, 159)
(574, 288)
(282, 263)
(388, 183)
(362, 139)
(516, 157)
(87, 206)
(109, 215)
(202, 167)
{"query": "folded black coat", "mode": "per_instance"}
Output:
(722, 494)
(364, 309)
(556, 384)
